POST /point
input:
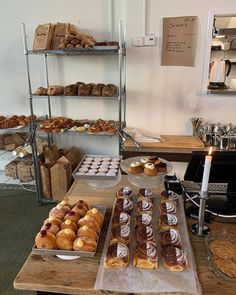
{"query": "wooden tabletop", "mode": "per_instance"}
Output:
(78, 276)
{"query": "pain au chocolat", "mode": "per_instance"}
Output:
(117, 256)
(170, 237)
(174, 258)
(146, 256)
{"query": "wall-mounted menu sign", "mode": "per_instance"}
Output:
(179, 41)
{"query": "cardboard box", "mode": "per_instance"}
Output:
(11, 168)
(14, 139)
(43, 37)
(61, 177)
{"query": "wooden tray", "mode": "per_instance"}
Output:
(172, 141)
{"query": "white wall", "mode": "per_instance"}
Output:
(159, 98)
(164, 98)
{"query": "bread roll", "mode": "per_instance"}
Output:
(109, 90)
(70, 90)
(55, 90)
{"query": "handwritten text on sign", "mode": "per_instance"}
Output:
(179, 41)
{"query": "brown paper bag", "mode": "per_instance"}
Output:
(24, 170)
(61, 29)
(45, 181)
(43, 37)
(60, 178)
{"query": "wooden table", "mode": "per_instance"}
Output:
(45, 274)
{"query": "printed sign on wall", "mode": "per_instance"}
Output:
(179, 41)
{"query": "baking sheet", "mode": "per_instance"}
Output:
(70, 253)
(135, 280)
(96, 177)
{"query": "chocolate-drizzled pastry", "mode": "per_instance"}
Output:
(153, 159)
(144, 206)
(144, 219)
(174, 258)
(170, 237)
(145, 194)
(124, 192)
(121, 218)
(168, 195)
(161, 167)
(120, 234)
(123, 205)
(145, 256)
(145, 234)
(117, 256)
(168, 221)
(168, 207)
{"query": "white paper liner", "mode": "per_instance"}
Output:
(135, 280)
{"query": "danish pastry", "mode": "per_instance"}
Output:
(121, 218)
(145, 234)
(168, 195)
(168, 207)
(168, 221)
(123, 205)
(124, 192)
(145, 194)
(144, 219)
(120, 234)
(170, 237)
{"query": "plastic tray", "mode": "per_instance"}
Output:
(67, 254)
(210, 257)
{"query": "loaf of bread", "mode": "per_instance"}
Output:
(84, 90)
(70, 90)
(109, 90)
(97, 89)
(55, 90)
(41, 91)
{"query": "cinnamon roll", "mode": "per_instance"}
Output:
(170, 237)
(117, 256)
(174, 258)
(144, 206)
(145, 234)
(168, 221)
(146, 256)
(168, 207)
(120, 234)
(168, 195)
(145, 194)
(123, 205)
(121, 218)
(144, 219)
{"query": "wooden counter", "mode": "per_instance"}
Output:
(78, 276)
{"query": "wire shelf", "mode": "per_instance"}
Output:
(96, 50)
(77, 97)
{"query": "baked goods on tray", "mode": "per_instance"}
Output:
(174, 258)
(146, 256)
(150, 166)
(71, 228)
(117, 256)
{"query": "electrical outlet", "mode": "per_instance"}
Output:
(149, 40)
(138, 41)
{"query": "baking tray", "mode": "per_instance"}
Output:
(135, 280)
(67, 253)
(210, 257)
(96, 177)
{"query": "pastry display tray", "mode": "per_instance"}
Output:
(136, 280)
(67, 254)
(210, 257)
(97, 177)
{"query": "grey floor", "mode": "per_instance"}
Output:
(20, 219)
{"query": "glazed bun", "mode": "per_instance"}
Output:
(50, 227)
(73, 216)
(98, 216)
(45, 239)
(53, 220)
(65, 239)
(69, 224)
(59, 211)
(87, 232)
(90, 221)
(84, 244)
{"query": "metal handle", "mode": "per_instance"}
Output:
(131, 138)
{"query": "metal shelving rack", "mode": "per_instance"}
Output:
(96, 50)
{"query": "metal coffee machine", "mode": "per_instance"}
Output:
(219, 70)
